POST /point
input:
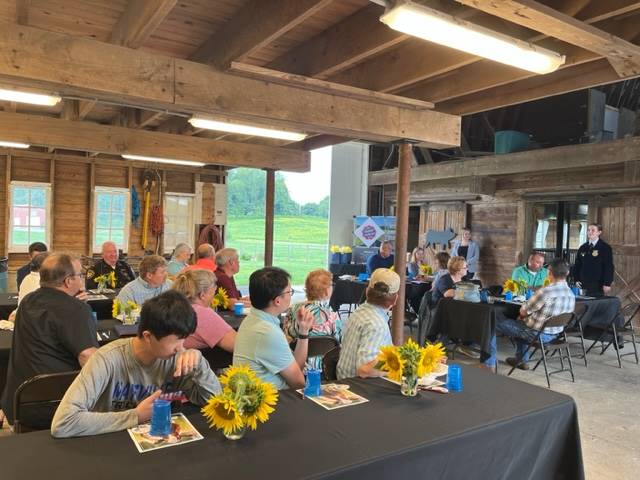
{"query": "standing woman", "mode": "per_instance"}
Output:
(468, 249)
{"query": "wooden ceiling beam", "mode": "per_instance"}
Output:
(22, 11)
(548, 159)
(350, 41)
(85, 107)
(319, 141)
(586, 75)
(92, 137)
(257, 24)
(138, 22)
(597, 11)
(624, 56)
(158, 82)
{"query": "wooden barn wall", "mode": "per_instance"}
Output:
(71, 195)
(498, 222)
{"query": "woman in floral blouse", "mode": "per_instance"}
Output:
(318, 286)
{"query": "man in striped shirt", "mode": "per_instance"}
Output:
(547, 302)
(368, 328)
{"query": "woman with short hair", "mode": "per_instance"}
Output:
(179, 259)
(199, 286)
(445, 286)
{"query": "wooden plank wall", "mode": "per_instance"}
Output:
(71, 195)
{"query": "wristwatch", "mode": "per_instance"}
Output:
(303, 337)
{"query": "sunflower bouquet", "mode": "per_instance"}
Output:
(106, 279)
(546, 282)
(220, 299)
(425, 270)
(129, 311)
(408, 362)
(517, 287)
(245, 400)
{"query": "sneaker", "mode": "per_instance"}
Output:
(468, 352)
(514, 362)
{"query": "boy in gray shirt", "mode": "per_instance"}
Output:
(115, 390)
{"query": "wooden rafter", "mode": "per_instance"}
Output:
(624, 56)
(139, 21)
(337, 48)
(85, 107)
(257, 24)
(146, 79)
(22, 11)
(91, 137)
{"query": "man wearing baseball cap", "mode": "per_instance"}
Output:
(368, 328)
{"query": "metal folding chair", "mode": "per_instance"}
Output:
(629, 311)
(548, 349)
(575, 329)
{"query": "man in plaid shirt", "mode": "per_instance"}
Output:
(547, 302)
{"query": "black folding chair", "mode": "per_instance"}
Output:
(330, 364)
(36, 400)
(320, 345)
(611, 333)
(425, 316)
(548, 349)
(575, 330)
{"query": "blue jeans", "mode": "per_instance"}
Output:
(522, 334)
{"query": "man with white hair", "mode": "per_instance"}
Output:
(110, 263)
(228, 263)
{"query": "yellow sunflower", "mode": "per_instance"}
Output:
(266, 397)
(115, 308)
(222, 413)
(237, 373)
(391, 362)
(431, 355)
(111, 278)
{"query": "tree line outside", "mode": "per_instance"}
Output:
(300, 231)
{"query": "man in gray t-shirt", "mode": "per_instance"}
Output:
(115, 390)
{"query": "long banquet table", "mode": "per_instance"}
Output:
(497, 428)
(102, 306)
(352, 292)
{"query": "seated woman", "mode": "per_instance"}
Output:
(32, 281)
(179, 259)
(445, 286)
(318, 286)
(416, 261)
(442, 259)
(199, 286)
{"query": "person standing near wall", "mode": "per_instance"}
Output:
(593, 270)
(468, 249)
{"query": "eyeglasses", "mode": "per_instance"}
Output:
(81, 275)
(291, 291)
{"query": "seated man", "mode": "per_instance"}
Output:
(117, 387)
(368, 327)
(261, 343)
(54, 331)
(110, 263)
(151, 282)
(547, 302)
(34, 249)
(533, 273)
(382, 259)
(206, 258)
(228, 263)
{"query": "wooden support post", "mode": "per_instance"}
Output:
(269, 211)
(402, 226)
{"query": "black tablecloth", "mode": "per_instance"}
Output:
(352, 292)
(354, 269)
(472, 434)
(102, 307)
(473, 322)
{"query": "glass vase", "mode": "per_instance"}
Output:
(237, 433)
(409, 386)
(101, 287)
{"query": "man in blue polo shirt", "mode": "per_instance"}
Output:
(382, 259)
(261, 343)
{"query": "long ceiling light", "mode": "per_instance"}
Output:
(26, 97)
(172, 161)
(443, 29)
(207, 124)
(13, 144)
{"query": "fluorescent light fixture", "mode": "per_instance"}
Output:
(438, 27)
(13, 144)
(143, 158)
(26, 97)
(199, 122)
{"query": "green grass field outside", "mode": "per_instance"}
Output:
(300, 244)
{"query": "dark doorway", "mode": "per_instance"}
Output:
(559, 228)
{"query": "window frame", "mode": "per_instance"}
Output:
(191, 233)
(11, 248)
(127, 213)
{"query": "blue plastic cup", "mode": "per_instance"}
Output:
(508, 295)
(484, 296)
(528, 294)
(312, 387)
(454, 378)
(161, 418)
(575, 290)
(238, 308)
